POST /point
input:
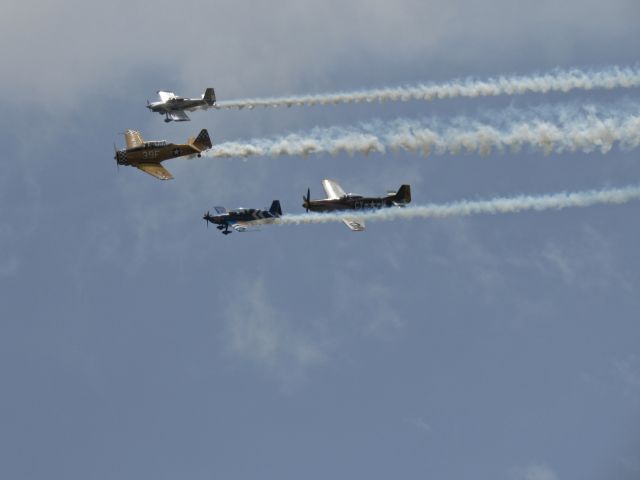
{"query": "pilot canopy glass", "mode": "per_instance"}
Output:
(155, 144)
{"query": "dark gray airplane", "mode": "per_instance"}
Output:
(173, 107)
(337, 199)
(241, 219)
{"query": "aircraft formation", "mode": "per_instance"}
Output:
(148, 156)
(557, 129)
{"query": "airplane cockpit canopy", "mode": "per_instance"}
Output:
(159, 143)
(220, 209)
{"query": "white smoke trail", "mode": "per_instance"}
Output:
(495, 206)
(555, 81)
(584, 130)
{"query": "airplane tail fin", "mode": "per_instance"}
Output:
(202, 141)
(275, 209)
(403, 195)
(209, 96)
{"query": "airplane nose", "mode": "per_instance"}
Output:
(207, 218)
(115, 152)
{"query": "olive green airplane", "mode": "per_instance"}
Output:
(148, 156)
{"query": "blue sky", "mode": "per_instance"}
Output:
(136, 343)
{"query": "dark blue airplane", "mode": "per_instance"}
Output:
(242, 219)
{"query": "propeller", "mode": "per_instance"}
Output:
(115, 156)
(206, 218)
(307, 200)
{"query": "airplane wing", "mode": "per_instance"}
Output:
(240, 226)
(156, 170)
(332, 189)
(133, 139)
(178, 116)
(354, 225)
(164, 96)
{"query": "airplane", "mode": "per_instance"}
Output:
(337, 199)
(148, 156)
(242, 218)
(173, 107)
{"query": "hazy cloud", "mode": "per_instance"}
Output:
(8, 266)
(536, 472)
(248, 48)
(377, 313)
(420, 423)
(259, 332)
(589, 262)
(627, 369)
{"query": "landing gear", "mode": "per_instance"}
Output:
(220, 227)
(199, 155)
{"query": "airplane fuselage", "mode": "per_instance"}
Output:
(154, 152)
(244, 215)
(349, 202)
(241, 218)
(176, 104)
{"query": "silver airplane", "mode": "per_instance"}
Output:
(173, 107)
